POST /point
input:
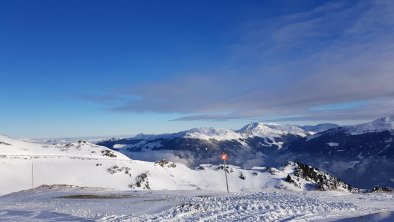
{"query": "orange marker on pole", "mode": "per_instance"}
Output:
(224, 157)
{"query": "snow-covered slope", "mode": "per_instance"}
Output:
(212, 133)
(9, 146)
(65, 203)
(203, 133)
(379, 125)
(24, 165)
(270, 130)
(319, 127)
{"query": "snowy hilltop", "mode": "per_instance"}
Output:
(10, 146)
(270, 130)
(379, 125)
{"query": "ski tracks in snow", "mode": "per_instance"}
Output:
(273, 206)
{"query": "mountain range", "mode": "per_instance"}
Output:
(360, 154)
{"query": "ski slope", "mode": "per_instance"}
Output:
(67, 203)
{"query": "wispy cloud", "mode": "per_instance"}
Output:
(100, 98)
(339, 106)
(295, 65)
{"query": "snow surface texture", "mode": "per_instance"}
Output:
(65, 203)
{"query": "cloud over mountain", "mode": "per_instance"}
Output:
(337, 53)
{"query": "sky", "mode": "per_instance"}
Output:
(103, 68)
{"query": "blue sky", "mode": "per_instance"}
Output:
(85, 68)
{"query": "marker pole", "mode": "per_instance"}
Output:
(225, 174)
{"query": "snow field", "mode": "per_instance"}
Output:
(272, 206)
(69, 203)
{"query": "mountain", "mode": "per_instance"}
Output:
(25, 165)
(270, 130)
(363, 153)
(319, 128)
(303, 176)
(246, 146)
(380, 125)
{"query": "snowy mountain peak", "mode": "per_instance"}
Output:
(385, 120)
(265, 130)
(205, 133)
(378, 125)
(270, 130)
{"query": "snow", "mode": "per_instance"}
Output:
(333, 144)
(67, 203)
(319, 128)
(265, 130)
(212, 133)
(379, 125)
(203, 133)
(23, 165)
(84, 164)
(270, 130)
(9, 146)
(314, 136)
(104, 185)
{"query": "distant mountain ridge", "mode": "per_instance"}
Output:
(363, 153)
(273, 135)
(350, 152)
(379, 125)
(268, 130)
(201, 145)
(319, 127)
